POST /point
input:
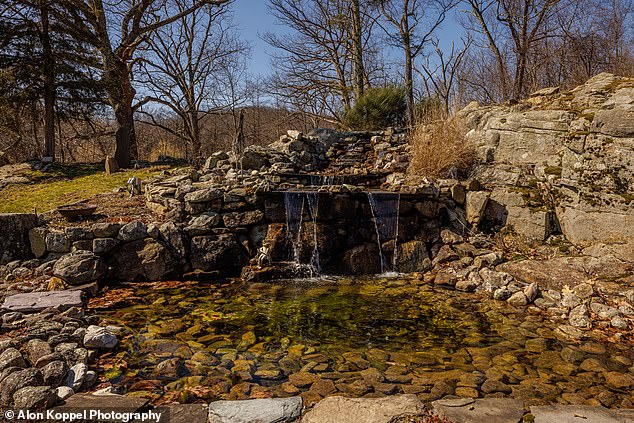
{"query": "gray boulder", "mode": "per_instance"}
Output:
(99, 337)
(144, 259)
(18, 380)
(57, 243)
(11, 358)
(269, 410)
(133, 231)
(78, 268)
(220, 253)
(34, 398)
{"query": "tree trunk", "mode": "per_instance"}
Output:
(357, 39)
(48, 70)
(195, 134)
(409, 80)
(121, 96)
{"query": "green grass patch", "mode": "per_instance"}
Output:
(63, 185)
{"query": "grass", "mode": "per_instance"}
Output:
(440, 150)
(64, 184)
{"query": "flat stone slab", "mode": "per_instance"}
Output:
(182, 413)
(268, 410)
(37, 301)
(498, 410)
(364, 410)
(580, 414)
(104, 403)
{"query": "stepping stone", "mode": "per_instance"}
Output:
(364, 410)
(104, 403)
(466, 410)
(268, 410)
(580, 414)
(37, 301)
(182, 413)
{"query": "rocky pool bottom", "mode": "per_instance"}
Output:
(374, 337)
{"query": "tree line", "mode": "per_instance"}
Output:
(118, 69)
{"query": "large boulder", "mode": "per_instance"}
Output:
(14, 237)
(144, 259)
(268, 410)
(99, 337)
(79, 268)
(366, 410)
(222, 253)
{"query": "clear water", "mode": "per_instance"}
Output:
(336, 329)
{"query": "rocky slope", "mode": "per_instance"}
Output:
(561, 162)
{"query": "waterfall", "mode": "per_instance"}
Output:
(294, 204)
(313, 206)
(385, 210)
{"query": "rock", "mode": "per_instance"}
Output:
(502, 294)
(213, 160)
(499, 410)
(604, 311)
(238, 219)
(518, 299)
(269, 410)
(104, 245)
(11, 358)
(450, 237)
(445, 254)
(532, 292)
(18, 380)
(36, 349)
(14, 242)
(37, 301)
(78, 268)
(202, 224)
(366, 410)
(570, 300)
(144, 259)
(619, 323)
(579, 318)
(412, 256)
(490, 386)
(37, 239)
(133, 231)
(220, 253)
(54, 372)
(34, 398)
(466, 285)
(99, 337)
(107, 403)
(64, 392)
(576, 413)
(475, 206)
(106, 230)
(184, 413)
(57, 243)
(76, 376)
(583, 290)
(445, 277)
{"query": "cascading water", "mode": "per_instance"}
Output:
(313, 205)
(385, 213)
(294, 204)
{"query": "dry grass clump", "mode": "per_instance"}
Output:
(440, 150)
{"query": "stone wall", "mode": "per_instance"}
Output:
(561, 161)
(14, 236)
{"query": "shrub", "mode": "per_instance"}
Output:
(379, 108)
(440, 150)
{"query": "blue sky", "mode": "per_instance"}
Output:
(253, 19)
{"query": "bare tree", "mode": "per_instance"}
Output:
(512, 28)
(441, 73)
(186, 68)
(117, 29)
(328, 59)
(414, 22)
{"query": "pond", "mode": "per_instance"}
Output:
(356, 337)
